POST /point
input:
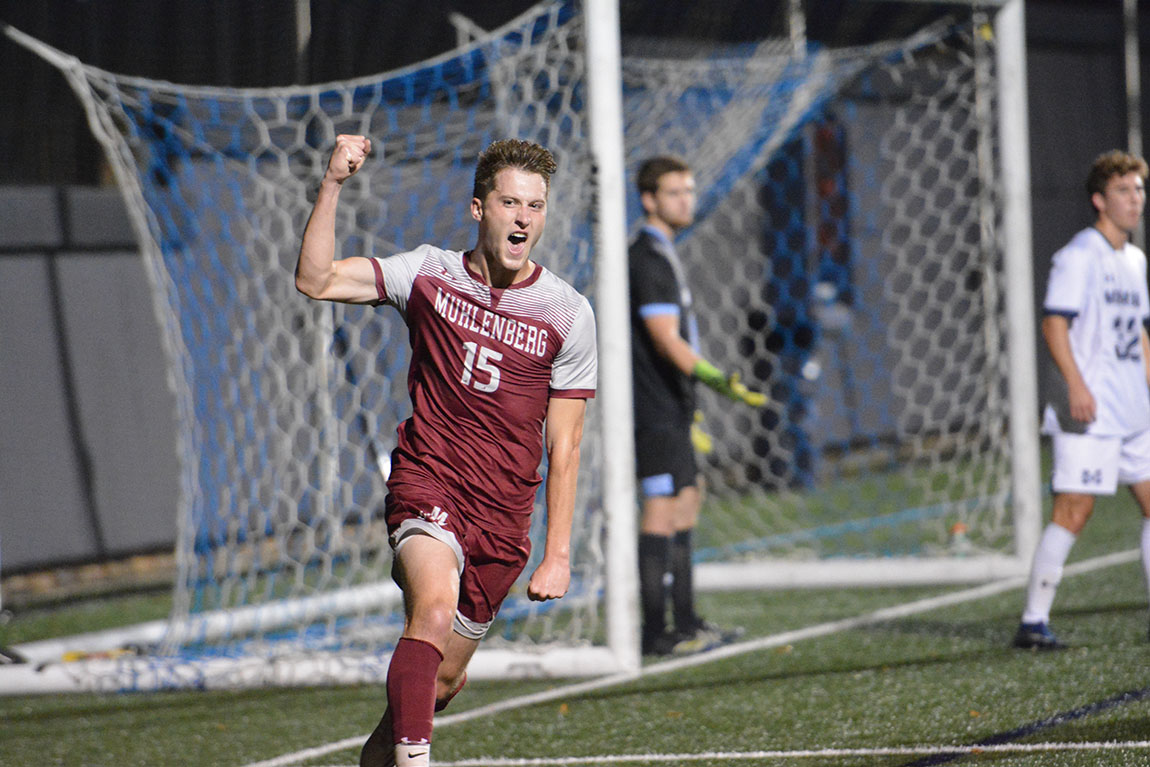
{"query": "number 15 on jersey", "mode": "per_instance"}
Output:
(479, 360)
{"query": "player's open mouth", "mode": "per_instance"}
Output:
(518, 243)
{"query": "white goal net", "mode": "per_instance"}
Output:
(846, 259)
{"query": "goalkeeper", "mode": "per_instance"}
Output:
(665, 365)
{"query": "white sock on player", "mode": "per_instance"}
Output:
(1046, 572)
(412, 755)
(1146, 549)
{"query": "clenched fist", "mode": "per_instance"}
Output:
(347, 157)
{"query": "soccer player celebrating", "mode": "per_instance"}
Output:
(665, 365)
(502, 363)
(1096, 308)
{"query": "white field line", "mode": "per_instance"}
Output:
(734, 650)
(823, 753)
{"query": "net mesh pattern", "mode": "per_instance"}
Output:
(845, 260)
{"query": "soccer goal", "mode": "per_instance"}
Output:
(851, 259)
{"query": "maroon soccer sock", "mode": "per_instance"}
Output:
(411, 690)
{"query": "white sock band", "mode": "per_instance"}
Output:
(412, 755)
(1046, 572)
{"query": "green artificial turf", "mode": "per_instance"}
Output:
(941, 677)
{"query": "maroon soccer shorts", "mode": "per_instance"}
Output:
(489, 562)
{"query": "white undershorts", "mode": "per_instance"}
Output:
(1096, 465)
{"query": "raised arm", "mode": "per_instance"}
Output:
(318, 274)
(564, 434)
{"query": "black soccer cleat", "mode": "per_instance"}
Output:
(659, 644)
(1036, 636)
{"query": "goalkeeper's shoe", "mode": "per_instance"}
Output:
(1036, 636)
(703, 636)
(727, 634)
(659, 644)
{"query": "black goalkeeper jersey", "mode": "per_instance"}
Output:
(663, 395)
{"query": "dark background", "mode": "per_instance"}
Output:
(1075, 62)
(87, 464)
(212, 42)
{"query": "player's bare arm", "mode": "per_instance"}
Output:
(564, 433)
(1146, 353)
(318, 275)
(1056, 331)
(664, 332)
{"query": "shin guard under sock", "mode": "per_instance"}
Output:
(1046, 572)
(411, 690)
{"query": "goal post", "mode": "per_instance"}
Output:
(1014, 131)
(605, 126)
(288, 408)
(887, 310)
(861, 253)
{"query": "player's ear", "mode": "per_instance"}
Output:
(477, 209)
(647, 199)
(1098, 200)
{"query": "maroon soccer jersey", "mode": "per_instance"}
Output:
(484, 363)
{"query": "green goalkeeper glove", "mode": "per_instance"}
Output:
(702, 441)
(728, 386)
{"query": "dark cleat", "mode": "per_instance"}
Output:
(1036, 636)
(660, 644)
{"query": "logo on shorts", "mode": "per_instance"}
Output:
(436, 516)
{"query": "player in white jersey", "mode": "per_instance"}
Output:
(500, 347)
(1096, 310)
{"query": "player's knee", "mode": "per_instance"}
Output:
(1073, 511)
(658, 517)
(432, 623)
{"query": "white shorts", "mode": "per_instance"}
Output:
(1094, 465)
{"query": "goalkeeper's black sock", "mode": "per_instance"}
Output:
(683, 583)
(654, 555)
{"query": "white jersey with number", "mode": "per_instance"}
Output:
(1102, 291)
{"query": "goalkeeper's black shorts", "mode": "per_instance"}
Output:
(665, 459)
